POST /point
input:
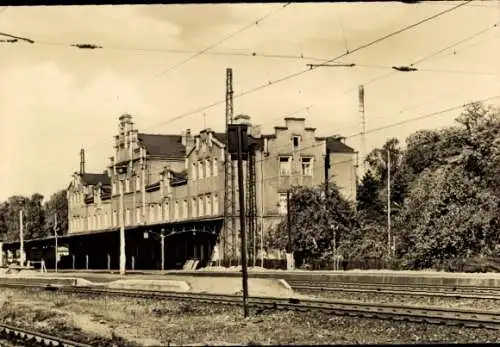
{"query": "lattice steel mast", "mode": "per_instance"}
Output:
(229, 176)
(252, 206)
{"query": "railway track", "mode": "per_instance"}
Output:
(470, 318)
(34, 338)
(470, 292)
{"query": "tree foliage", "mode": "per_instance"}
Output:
(445, 191)
(57, 204)
(38, 217)
(314, 217)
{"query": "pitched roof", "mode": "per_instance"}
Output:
(221, 137)
(164, 145)
(94, 179)
(336, 146)
(251, 140)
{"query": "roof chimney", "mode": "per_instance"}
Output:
(82, 161)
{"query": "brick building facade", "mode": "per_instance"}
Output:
(168, 179)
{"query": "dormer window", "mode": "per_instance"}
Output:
(296, 141)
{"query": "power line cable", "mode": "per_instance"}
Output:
(455, 44)
(296, 74)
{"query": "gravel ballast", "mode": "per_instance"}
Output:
(134, 322)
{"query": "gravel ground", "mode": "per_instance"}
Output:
(131, 322)
(412, 300)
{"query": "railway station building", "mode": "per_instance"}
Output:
(172, 193)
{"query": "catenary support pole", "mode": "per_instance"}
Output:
(241, 187)
(389, 202)
(289, 221)
(162, 251)
(21, 237)
(56, 246)
(122, 229)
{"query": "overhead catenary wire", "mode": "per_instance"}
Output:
(296, 74)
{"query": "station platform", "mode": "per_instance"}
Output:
(353, 276)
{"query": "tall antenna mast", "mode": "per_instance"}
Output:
(230, 178)
(363, 127)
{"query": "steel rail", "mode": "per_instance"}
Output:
(36, 338)
(397, 290)
(436, 315)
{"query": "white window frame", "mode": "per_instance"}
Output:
(215, 167)
(138, 215)
(201, 207)
(309, 171)
(201, 169)
(282, 203)
(176, 210)
(158, 213)
(194, 170)
(208, 168)
(208, 205)
(194, 207)
(283, 172)
(128, 217)
(152, 217)
(166, 211)
(215, 204)
(137, 183)
(185, 209)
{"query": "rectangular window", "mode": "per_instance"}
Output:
(138, 215)
(128, 217)
(185, 209)
(151, 214)
(201, 210)
(137, 183)
(176, 210)
(285, 166)
(283, 203)
(194, 171)
(166, 211)
(158, 213)
(194, 208)
(113, 188)
(115, 219)
(215, 167)
(89, 223)
(296, 141)
(127, 185)
(200, 169)
(208, 202)
(215, 205)
(208, 168)
(307, 169)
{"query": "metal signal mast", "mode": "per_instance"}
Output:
(230, 179)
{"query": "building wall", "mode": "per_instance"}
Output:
(282, 146)
(343, 173)
(182, 202)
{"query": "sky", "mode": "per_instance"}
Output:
(164, 63)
